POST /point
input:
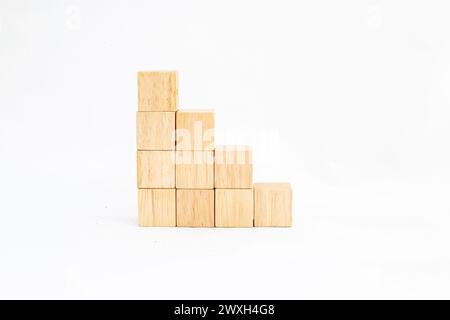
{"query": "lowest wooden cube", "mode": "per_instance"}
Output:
(156, 169)
(155, 130)
(157, 207)
(194, 169)
(233, 167)
(234, 208)
(195, 130)
(195, 208)
(273, 204)
(157, 91)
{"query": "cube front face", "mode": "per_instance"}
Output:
(157, 207)
(156, 169)
(157, 91)
(233, 167)
(273, 204)
(234, 208)
(155, 130)
(195, 208)
(195, 130)
(194, 169)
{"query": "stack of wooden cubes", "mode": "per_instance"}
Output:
(184, 180)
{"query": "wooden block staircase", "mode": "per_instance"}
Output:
(184, 180)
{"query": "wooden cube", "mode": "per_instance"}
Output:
(157, 91)
(233, 167)
(195, 130)
(157, 207)
(273, 204)
(195, 208)
(234, 208)
(156, 169)
(194, 169)
(155, 130)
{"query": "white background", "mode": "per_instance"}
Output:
(347, 100)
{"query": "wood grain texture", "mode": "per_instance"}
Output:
(157, 91)
(234, 207)
(195, 130)
(195, 208)
(156, 169)
(155, 130)
(157, 207)
(194, 169)
(273, 204)
(233, 167)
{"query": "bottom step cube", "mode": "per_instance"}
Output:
(273, 205)
(156, 207)
(234, 208)
(195, 208)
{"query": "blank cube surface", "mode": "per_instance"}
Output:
(195, 130)
(273, 204)
(157, 91)
(233, 167)
(155, 130)
(156, 169)
(234, 208)
(195, 208)
(194, 169)
(157, 207)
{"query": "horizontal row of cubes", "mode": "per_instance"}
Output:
(181, 130)
(267, 205)
(225, 167)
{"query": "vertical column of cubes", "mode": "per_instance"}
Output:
(195, 168)
(234, 186)
(155, 123)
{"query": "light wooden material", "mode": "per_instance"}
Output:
(194, 169)
(233, 167)
(157, 91)
(157, 207)
(273, 204)
(156, 169)
(195, 208)
(155, 130)
(234, 208)
(195, 129)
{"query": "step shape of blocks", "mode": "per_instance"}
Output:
(234, 208)
(195, 130)
(195, 208)
(273, 204)
(157, 91)
(156, 207)
(184, 180)
(194, 169)
(233, 167)
(155, 130)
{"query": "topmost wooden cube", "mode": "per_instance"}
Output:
(157, 91)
